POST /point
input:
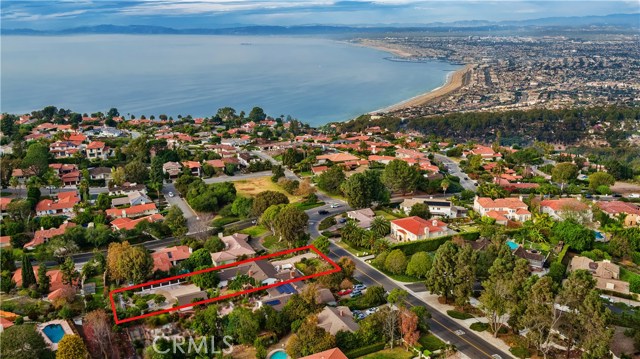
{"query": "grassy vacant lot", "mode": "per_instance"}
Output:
(253, 186)
(272, 244)
(395, 353)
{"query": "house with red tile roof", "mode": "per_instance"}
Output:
(76, 138)
(5, 323)
(63, 205)
(381, 159)
(70, 178)
(560, 208)
(317, 170)
(502, 209)
(55, 280)
(334, 353)
(614, 208)
(129, 224)
(43, 235)
(63, 149)
(4, 204)
(485, 152)
(416, 228)
(133, 211)
(98, 150)
(218, 164)
(194, 167)
(337, 157)
(165, 258)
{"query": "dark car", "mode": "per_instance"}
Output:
(323, 212)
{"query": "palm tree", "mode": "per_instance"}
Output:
(445, 184)
(380, 226)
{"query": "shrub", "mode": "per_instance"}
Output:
(479, 326)
(364, 350)
(430, 245)
(459, 315)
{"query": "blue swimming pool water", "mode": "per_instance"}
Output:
(280, 354)
(512, 245)
(599, 235)
(54, 332)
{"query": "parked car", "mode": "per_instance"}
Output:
(335, 205)
(171, 194)
(371, 310)
(345, 292)
(342, 220)
(355, 294)
(323, 212)
(359, 287)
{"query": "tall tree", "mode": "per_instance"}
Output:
(419, 265)
(598, 179)
(290, 224)
(399, 176)
(44, 282)
(23, 342)
(441, 278)
(498, 289)
(126, 262)
(421, 210)
(28, 277)
(176, 221)
(331, 180)
(98, 330)
(36, 160)
(563, 173)
(242, 325)
(363, 189)
(136, 171)
(464, 275)
(380, 226)
(69, 272)
(265, 199)
(541, 316)
(309, 339)
(409, 328)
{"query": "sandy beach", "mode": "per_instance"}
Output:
(454, 81)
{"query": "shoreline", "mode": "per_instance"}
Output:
(453, 81)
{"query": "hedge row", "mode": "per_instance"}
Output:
(562, 253)
(430, 245)
(355, 353)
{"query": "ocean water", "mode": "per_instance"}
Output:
(312, 79)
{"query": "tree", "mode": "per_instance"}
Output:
(419, 265)
(397, 297)
(126, 262)
(362, 189)
(278, 172)
(563, 173)
(441, 278)
(396, 262)
(241, 206)
(118, 176)
(136, 172)
(176, 221)
(464, 275)
(290, 224)
(331, 180)
(309, 339)
(214, 245)
(23, 342)
(62, 246)
(573, 234)
(98, 330)
(44, 282)
(540, 316)
(380, 226)
(390, 321)
(322, 243)
(265, 199)
(28, 277)
(593, 315)
(409, 328)
(36, 160)
(399, 176)
(199, 258)
(71, 347)
(421, 210)
(291, 157)
(69, 273)
(257, 114)
(156, 174)
(242, 325)
(444, 184)
(598, 179)
(206, 280)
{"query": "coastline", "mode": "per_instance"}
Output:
(454, 81)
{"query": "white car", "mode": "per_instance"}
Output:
(171, 194)
(359, 287)
(335, 205)
(371, 310)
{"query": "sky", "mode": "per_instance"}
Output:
(48, 15)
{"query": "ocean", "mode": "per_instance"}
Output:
(312, 79)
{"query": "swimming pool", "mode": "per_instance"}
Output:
(279, 354)
(512, 245)
(54, 332)
(599, 235)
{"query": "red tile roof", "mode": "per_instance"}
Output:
(65, 200)
(564, 204)
(338, 157)
(128, 223)
(131, 211)
(55, 276)
(417, 225)
(615, 207)
(334, 353)
(43, 235)
(4, 202)
(162, 258)
(95, 145)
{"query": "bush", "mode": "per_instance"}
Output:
(364, 350)
(479, 326)
(459, 315)
(430, 245)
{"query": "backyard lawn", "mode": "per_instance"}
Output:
(395, 353)
(272, 244)
(251, 187)
(431, 342)
(388, 215)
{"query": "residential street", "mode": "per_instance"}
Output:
(455, 170)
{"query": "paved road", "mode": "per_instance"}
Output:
(455, 170)
(193, 221)
(440, 324)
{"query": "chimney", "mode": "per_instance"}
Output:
(292, 274)
(341, 313)
(434, 222)
(42, 228)
(520, 197)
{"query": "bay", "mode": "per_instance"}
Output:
(313, 79)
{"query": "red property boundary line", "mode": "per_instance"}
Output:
(311, 247)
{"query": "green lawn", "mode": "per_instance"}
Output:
(388, 214)
(272, 244)
(395, 353)
(400, 277)
(355, 251)
(305, 206)
(221, 221)
(631, 277)
(431, 342)
(255, 231)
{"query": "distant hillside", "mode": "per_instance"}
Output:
(615, 20)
